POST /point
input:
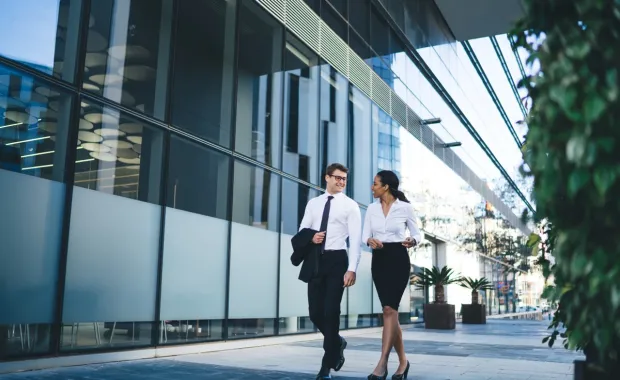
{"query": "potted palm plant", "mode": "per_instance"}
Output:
(474, 313)
(439, 314)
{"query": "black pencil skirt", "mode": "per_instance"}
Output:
(391, 269)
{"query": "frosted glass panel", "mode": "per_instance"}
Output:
(112, 262)
(376, 303)
(293, 292)
(253, 272)
(360, 294)
(405, 301)
(194, 267)
(31, 212)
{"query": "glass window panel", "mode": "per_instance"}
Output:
(335, 21)
(55, 35)
(382, 144)
(359, 46)
(259, 85)
(360, 175)
(128, 51)
(334, 128)
(34, 126)
(360, 295)
(194, 271)
(359, 17)
(254, 252)
(396, 10)
(118, 154)
(33, 144)
(203, 69)
(293, 300)
(197, 179)
(315, 5)
(301, 112)
(114, 232)
(380, 33)
(341, 6)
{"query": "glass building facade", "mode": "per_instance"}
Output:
(156, 157)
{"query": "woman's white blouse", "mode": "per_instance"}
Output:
(390, 229)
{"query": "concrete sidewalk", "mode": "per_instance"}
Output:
(502, 349)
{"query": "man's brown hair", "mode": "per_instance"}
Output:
(336, 166)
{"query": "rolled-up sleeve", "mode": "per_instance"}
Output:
(306, 221)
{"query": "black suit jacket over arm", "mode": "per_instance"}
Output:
(304, 250)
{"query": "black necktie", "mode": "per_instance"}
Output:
(325, 218)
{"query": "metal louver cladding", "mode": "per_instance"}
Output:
(360, 73)
(334, 50)
(305, 24)
(399, 109)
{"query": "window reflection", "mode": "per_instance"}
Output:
(34, 125)
(54, 33)
(259, 85)
(360, 158)
(334, 121)
(301, 112)
(127, 53)
(117, 154)
(255, 194)
(359, 17)
(202, 75)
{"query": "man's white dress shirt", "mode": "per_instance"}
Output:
(390, 228)
(345, 220)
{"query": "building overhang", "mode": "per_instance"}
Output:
(471, 19)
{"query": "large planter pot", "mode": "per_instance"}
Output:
(584, 372)
(439, 316)
(474, 314)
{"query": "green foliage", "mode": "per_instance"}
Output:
(476, 284)
(572, 152)
(436, 276)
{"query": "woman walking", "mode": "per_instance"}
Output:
(384, 231)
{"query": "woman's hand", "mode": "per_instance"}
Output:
(374, 243)
(409, 242)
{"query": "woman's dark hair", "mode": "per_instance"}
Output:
(390, 179)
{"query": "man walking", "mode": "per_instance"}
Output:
(336, 217)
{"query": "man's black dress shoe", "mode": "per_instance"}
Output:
(323, 374)
(343, 345)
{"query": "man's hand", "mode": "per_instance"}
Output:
(349, 279)
(374, 243)
(318, 237)
(409, 242)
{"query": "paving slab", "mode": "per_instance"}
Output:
(501, 349)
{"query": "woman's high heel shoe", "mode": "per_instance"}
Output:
(403, 375)
(372, 376)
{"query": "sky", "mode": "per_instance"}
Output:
(32, 23)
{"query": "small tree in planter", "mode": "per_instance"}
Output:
(572, 152)
(474, 313)
(439, 314)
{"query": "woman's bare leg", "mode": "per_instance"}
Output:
(390, 328)
(399, 346)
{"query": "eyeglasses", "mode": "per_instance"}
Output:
(338, 178)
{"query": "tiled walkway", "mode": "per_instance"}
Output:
(502, 349)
